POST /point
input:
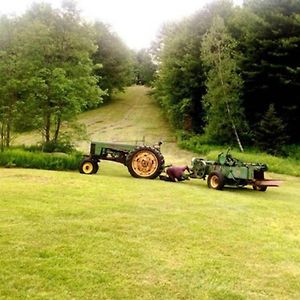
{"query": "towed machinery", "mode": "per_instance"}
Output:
(227, 170)
(147, 162)
(142, 161)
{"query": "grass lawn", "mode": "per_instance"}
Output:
(64, 235)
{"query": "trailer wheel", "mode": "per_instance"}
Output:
(88, 166)
(145, 162)
(215, 180)
(261, 188)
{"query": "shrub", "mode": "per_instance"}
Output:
(39, 160)
(59, 146)
(197, 143)
(291, 151)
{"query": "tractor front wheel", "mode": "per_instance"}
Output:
(215, 180)
(145, 162)
(88, 166)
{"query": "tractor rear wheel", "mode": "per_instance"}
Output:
(88, 166)
(145, 162)
(215, 180)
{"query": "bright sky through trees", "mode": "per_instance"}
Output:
(136, 21)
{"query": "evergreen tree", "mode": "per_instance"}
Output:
(268, 32)
(271, 132)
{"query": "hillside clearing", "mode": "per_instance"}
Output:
(130, 117)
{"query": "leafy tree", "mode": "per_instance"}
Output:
(47, 72)
(144, 68)
(180, 85)
(56, 50)
(224, 111)
(114, 58)
(270, 134)
(10, 78)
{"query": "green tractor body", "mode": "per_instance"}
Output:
(227, 170)
(142, 161)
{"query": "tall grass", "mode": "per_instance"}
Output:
(39, 160)
(196, 143)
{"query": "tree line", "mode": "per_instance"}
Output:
(233, 73)
(225, 73)
(54, 65)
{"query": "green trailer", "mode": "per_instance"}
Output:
(227, 170)
(142, 161)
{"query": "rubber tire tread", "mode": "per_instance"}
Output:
(221, 180)
(95, 166)
(159, 156)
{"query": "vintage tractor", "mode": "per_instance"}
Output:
(227, 170)
(142, 161)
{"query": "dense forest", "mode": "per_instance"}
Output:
(233, 73)
(227, 74)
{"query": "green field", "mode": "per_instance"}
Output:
(64, 235)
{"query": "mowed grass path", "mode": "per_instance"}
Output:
(130, 117)
(64, 235)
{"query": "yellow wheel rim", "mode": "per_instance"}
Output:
(214, 181)
(144, 163)
(87, 168)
